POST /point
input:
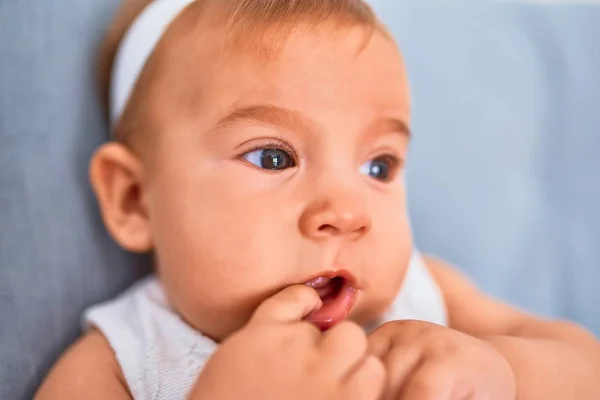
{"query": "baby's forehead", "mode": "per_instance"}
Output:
(200, 60)
(211, 39)
(210, 45)
(261, 28)
(203, 65)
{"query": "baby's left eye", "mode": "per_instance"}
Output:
(383, 168)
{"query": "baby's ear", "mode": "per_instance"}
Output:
(116, 175)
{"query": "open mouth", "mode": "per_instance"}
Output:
(327, 288)
(337, 292)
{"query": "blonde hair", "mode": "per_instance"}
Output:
(244, 19)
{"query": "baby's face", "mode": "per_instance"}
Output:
(276, 170)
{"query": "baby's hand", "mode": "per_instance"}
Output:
(426, 361)
(278, 356)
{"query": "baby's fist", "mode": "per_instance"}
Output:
(429, 362)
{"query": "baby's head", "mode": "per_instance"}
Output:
(263, 146)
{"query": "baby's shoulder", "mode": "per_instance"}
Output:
(454, 284)
(470, 310)
(88, 369)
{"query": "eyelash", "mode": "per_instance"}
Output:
(272, 144)
(395, 161)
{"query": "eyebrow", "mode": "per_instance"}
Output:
(270, 115)
(291, 119)
(391, 124)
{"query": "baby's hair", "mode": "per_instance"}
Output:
(244, 19)
(250, 16)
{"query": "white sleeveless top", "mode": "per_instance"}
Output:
(161, 356)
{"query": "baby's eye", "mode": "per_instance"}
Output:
(272, 159)
(383, 168)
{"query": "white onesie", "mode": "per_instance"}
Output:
(161, 356)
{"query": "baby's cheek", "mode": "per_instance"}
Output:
(391, 252)
(209, 303)
(220, 314)
(217, 286)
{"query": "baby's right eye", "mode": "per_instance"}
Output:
(272, 159)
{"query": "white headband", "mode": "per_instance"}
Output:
(138, 44)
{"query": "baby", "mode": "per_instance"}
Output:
(258, 153)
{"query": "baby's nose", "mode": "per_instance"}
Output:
(343, 215)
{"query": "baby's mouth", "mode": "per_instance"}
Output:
(337, 292)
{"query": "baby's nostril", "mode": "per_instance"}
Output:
(327, 228)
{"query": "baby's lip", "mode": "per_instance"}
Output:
(335, 309)
(323, 278)
(337, 289)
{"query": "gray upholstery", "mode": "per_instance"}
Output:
(503, 178)
(55, 257)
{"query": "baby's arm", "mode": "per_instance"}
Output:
(88, 370)
(551, 359)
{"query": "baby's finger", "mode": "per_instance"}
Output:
(379, 346)
(428, 382)
(344, 347)
(292, 304)
(406, 331)
(400, 363)
(367, 381)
